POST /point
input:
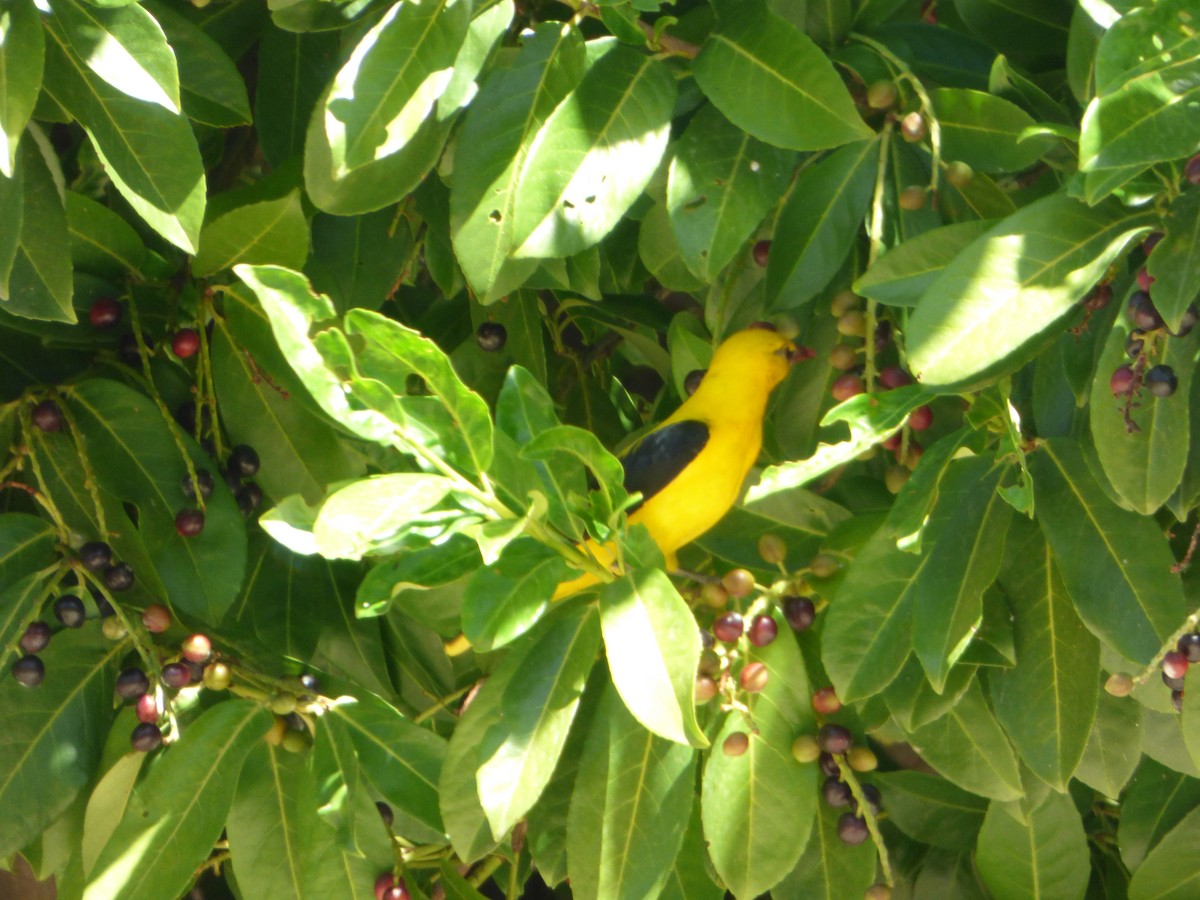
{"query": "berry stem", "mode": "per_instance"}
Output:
(440, 705)
(864, 810)
(1189, 625)
(485, 870)
(135, 631)
(1184, 564)
(207, 386)
(45, 502)
(85, 463)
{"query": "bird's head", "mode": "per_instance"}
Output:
(757, 353)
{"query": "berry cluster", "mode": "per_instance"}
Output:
(1146, 340)
(106, 313)
(833, 749)
(1175, 665)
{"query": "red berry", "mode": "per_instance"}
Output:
(893, 377)
(761, 252)
(736, 744)
(1191, 171)
(728, 628)
(47, 416)
(1144, 279)
(185, 343)
(825, 701)
(147, 708)
(1099, 297)
(105, 313)
(189, 522)
(763, 630)
(846, 386)
(1123, 381)
(1175, 664)
(920, 418)
(799, 612)
(197, 648)
(156, 618)
(893, 442)
(176, 675)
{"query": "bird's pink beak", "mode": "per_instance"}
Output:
(797, 352)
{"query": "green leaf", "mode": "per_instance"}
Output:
(660, 252)
(402, 760)
(101, 241)
(799, 100)
(912, 700)
(830, 868)
(393, 78)
(357, 260)
(301, 450)
(1147, 90)
(259, 234)
(132, 137)
(22, 56)
(689, 878)
(909, 515)
(932, 810)
(1190, 720)
(39, 284)
(293, 69)
(398, 351)
(106, 806)
(125, 47)
(505, 599)
(176, 814)
(1144, 466)
(537, 703)
(136, 458)
(211, 89)
(1116, 565)
(1028, 29)
(1168, 872)
(903, 274)
(868, 627)
(497, 136)
(1045, 856)
(1047, 702)
(653, 649)
(967, 747)
(370, 515)
(1156, 800)
(1175, 262)
(594, 154)
(1012, 285)
(630, 807)
(984, 131)
(758, 809)
(819, 224)
(53, 734)
(721, 183)
(1114, 746)
(965, 538)
(405, 579)
(21, 600)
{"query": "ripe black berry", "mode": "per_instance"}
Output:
(1177, 700)
(29, 671)
(36, 637)
(1143, 313)
(249, 498)
(829, 765)
(1151, 241)
(95, 556)
(761, 253)
(1175, 684)
(762, 631)
(852, 829)
(47, 416)
(146, 736)
(118, 577)
(105, 313)
(176, 675)
(243, 460)
(873, 797)
(692, 381)
(835, 738)
(836, 793)
(132, 683)
(1189, 646)
(185, 343)
(189, 522)
(1161, 381)
(69, 610)
(1191, 171)
(204, 481)
(128, 352)
(728, 628)
(799, 612)
(491, 336)
(1135, 343)
(1190, 316)
(385, 813)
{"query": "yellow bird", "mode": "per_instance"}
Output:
(689, 470)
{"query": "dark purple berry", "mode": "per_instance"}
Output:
(873, 797)
(491, 336)
(1190, 316)
(176, 675)
(189, 522)
(146, 736)
(762, 631)
(835, 738)
(836, 792)
(29, 671)
(1151, 241)
(1135, 344)
(36, 637)
(728, 627)
(1191, 170)
(1177, 700)
(829, 765)
(1143, 313)
(118, 577)
(851, 829)
(1161, 381)
(707, 641)
(385, 813)
(883, 335)
(761, 253)
(243, 460)
(232, 479)
(1189, 646)
(692, 382)
(249, 498)
(132, 683)
(69, 610)
(799, 612)
(47, 416)
(1123, 381)
(204, 481)
(95, 556)
(1175, 684)
(105, 313)
(127, 351)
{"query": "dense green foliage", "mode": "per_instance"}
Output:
(436, 263)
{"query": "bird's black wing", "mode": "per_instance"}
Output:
(658, 458)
